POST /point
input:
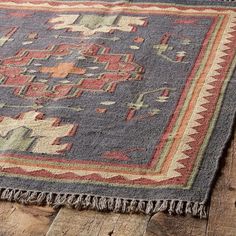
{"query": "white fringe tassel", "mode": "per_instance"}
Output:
(93, 202)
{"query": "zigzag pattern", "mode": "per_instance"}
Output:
(95, 177)
(193, 137)
(207, 100)
(45, 4)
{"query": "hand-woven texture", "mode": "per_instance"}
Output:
(115, 106)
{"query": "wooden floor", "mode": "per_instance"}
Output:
(21, 220)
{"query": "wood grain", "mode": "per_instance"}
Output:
(17, 220)
(162, 224)
(89, 223)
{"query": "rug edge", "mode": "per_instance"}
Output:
(105, 204)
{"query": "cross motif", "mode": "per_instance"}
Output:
(62, 70)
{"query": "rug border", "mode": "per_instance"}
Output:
(123, 205)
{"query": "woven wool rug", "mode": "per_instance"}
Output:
(115, 106)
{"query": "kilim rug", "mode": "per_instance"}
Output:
(115, 106)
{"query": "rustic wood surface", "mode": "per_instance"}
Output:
(18, 220)
(89, 223)
(222, 217)
(163, 225)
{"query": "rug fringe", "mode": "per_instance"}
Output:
(102, 203)
(105, 204)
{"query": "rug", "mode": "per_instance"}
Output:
(115, 106)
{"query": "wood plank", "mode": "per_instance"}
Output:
(22, 220)
(222, 215)
(90, 223)
(162, 224)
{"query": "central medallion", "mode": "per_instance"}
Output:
(67, 70)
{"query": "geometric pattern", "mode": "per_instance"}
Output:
(47, 138)
(92, 24)
(115, 101)
(117, 67)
